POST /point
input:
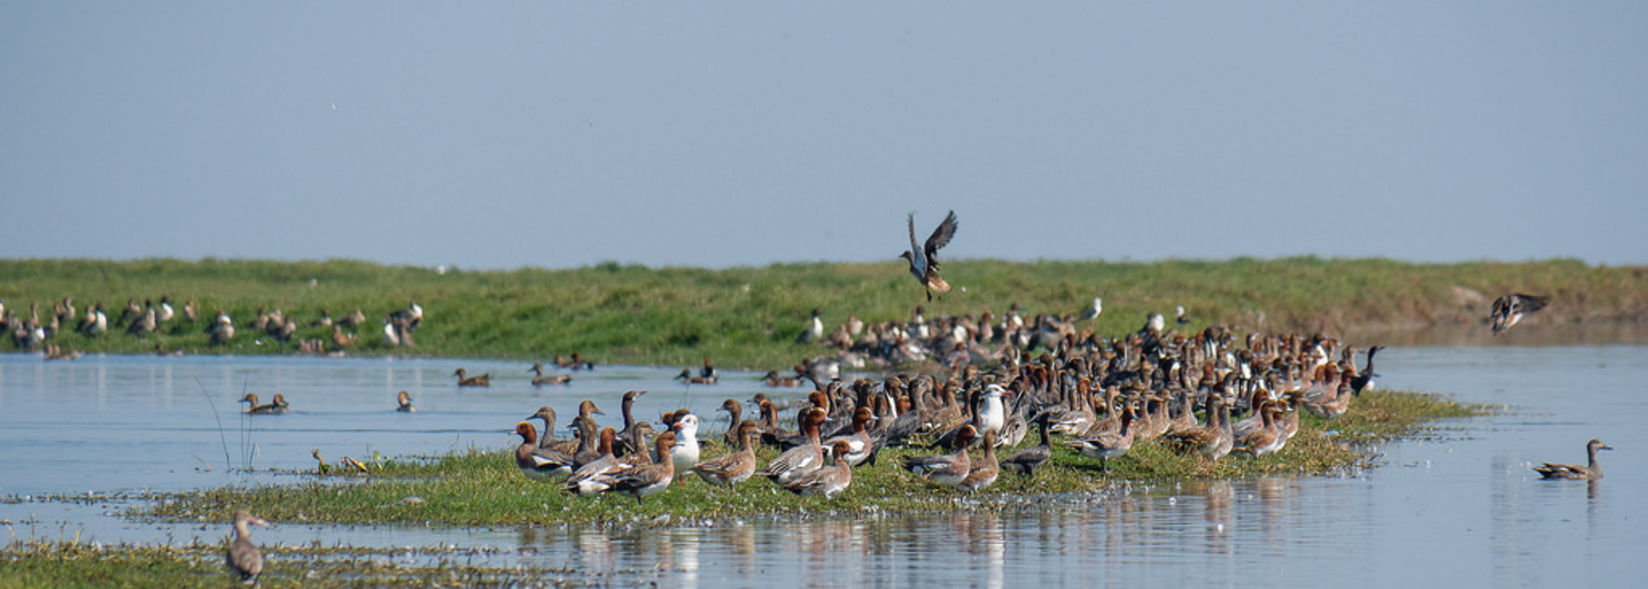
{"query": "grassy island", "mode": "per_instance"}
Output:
(483, 487)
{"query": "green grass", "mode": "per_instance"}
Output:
(33, 564)
(484, 487)
(749, 317)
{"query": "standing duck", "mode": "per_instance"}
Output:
(1590, 472)
(948, 470)
(733, 467)
(584, 480)
(539, 464)
(243, 556)
(829, 481)
(644, 480)
(801, 459)
(1109, 445)
(1025, 461)
(923, 257)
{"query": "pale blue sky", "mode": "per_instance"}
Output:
(500, 135)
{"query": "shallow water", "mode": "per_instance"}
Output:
(1461, 510)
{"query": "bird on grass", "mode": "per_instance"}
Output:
(243, 556)
(923, 257)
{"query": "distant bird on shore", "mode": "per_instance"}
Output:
(1093, 311)
(1590, 472)
(243, 556)
(814, 329)
(1182, 318)
(923, 258)
(1509, 309)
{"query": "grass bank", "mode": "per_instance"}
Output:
(749, 317)
(484, 487)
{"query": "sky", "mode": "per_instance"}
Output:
(561, 134)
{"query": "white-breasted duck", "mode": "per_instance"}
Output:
(403, 403)
(1508, 310)
(923, 257)
(539, 464)
(828, 481)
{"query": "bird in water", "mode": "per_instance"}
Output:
(1509, 309)
(1590, 472)
(923, 258)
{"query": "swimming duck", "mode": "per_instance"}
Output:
(243, 556)
(923, 258)
(687, 377)
(276, 406)
(540, 380)
(772, 379)
(479, 380)
(539, 464)
(829, 481)
(1590, 472)
(403, 403)
(1509, 309)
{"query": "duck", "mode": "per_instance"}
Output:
(221, 329)
(479, 380)
(814, 329)
(403, 404)
(95, 323)
(1509, 309)
(1181, 317)
(643, 480)
(923, 257)
(1590, 472)
(708, 371)
(948, 470)
(1025, 461)
(686, 451)
(772, 379)
(574, 363)
(276, 406)
(801, 459)
(1363, 380)
(829, 481)
(243, 556)
(353, 320)
(1268, 438)
(539, 379)
(1106, 446)
(165, 312)
(687, 377)
(1093, 311)
(584, 481)
(1212, 439)
(859, 443)
(627, 410)
(735, 412)
(982, 473)
(733, 467)
(539, 464)
(342, 339)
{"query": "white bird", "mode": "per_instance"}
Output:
(685, 452)
(1098, 307)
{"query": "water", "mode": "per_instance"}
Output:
(1464, 509)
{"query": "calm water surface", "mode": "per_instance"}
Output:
(1460, 510)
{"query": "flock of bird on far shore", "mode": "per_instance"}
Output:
(1209, 393)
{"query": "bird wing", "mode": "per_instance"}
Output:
(1531, 303)
(918, 258)
(941, 236)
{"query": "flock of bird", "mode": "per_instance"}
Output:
(1209, 393)
(31, 332)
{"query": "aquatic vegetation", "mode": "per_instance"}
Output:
(479, 487)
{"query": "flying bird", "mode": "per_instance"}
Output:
(1509, 309)
(923, 258)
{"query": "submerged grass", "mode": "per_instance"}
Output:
(32, 564)
(749, 317)
(484, 487)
